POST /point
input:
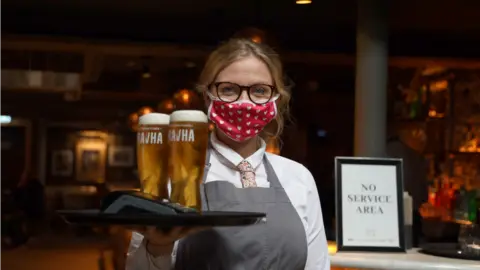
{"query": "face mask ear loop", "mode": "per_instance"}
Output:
(274, 100)
(209, 109)
(212, 98)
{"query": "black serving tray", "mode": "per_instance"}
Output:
(450, 250)
(208, 218)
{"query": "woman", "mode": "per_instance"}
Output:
(245, 78)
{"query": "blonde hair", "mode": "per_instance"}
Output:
(236, 49)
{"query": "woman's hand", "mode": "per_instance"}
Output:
(160, 242)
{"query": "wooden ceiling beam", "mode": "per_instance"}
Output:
(394, 61)
(200, 52)
(93, 95)
(95, 47)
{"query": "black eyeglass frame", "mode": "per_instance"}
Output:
(244, 88)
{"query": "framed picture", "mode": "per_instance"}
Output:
(369, 204)
(90, 160)
(121, 156)
(62, 163)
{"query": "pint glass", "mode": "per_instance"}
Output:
(188, 140)
(152, 153)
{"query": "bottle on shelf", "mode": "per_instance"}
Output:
(444, 197)
(472, 206)
(478, 205)
(460, 211)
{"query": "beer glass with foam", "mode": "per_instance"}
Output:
(188, 140)
(152, 153)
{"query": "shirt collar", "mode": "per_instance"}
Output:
(233, 157)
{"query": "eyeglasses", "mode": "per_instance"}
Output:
(231, 92)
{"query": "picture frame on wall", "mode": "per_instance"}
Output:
(369, 204)
(62, 163)
(121, 156)
(90, 160)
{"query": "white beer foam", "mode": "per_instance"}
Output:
(154, 119)
(188, 115)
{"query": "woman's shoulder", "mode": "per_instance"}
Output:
(277, 160)
(290, 167)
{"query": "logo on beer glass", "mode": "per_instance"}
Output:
(152, 136)
(181, 135)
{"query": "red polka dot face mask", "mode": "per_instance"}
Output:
(241, 120)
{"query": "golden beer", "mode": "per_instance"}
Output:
(188, 141)
(152, 153)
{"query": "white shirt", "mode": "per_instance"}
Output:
(297, 182)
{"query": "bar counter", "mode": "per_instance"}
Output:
(412, 260)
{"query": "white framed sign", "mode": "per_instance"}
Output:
(369, 204)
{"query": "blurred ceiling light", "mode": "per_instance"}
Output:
(166, 106)
(303, 2)
(133, 117)
(144, 110)
(133, 121)
(5, 119)
(183, 96)
(186, 99)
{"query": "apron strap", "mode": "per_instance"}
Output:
(271, 175)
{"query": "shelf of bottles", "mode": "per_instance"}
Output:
(439, 116)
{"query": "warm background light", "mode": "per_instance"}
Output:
(439, 86)
(133, 117)
(257, 39)
(133, 121)
(186, 99)
(272, 146)
(303, 2)
(332, 247)
(254, 34)
(183, 96)
(166, 106)
(145, 110)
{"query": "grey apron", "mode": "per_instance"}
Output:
(279, 242)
